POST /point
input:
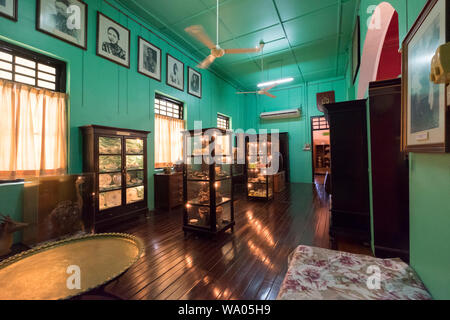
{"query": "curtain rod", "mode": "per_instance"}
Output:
(166, 41)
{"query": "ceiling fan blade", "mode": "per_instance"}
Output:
(207, 62)
(246, 92)
(269, 94)
(248, 50)
(200, 34)
(271, 87)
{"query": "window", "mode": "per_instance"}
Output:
(168, 107)
(223, 122)
(33, 139)
(169, 125)
(27, 67)
(319, 123)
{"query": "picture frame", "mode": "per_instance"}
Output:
(195, 83)
(59, 19)
(356, 49)
(8, 9)
(113, 41)
(174, 78)
(425, 105)
(149, 59)
(325, 98)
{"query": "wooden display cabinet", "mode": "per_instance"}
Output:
(118, 158)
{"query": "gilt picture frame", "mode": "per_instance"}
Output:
(425, 105)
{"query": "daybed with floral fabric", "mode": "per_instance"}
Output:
(322, 274)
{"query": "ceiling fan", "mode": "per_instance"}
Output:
(262, 91)
(199, 33)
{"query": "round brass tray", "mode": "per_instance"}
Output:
(43, 273)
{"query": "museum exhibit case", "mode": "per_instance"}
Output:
(208, 172)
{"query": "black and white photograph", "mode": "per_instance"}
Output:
(63, 19)
(8, 9)
(113, 41)
(194, 83)
(175, 73)
(149, 60)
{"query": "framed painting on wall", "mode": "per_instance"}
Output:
(113, 41)
(149, 59)
(325, 98)
(425, 111)
(194, 83)
(356, 49)
(175, 73)
(8, 9)
(65, 20)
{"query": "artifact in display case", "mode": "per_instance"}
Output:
(118, 157)
(259, 160)
(58, 207)
(208, 194)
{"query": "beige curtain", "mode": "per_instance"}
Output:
(33, 134)
(168, 141)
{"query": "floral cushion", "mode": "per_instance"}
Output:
(321, 274)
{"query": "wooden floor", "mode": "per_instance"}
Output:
(247, 264)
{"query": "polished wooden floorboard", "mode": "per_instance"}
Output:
(249, 263)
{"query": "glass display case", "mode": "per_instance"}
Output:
(258, 159)
(58, 207)
(118, 157)
(208, 192)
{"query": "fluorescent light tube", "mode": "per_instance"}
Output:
(266, 84)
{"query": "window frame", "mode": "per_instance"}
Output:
(60, 66)
(225, 118)
(172, 101)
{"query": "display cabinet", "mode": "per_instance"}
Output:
(118, 157)
(258, 158)
(208, 172)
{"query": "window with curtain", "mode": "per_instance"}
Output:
(33, 121)
(33, 131)
(169, 124)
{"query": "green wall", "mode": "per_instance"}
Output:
(429, 184)
(11, 202)
(299, 130)
(430, 221)
(104, 93)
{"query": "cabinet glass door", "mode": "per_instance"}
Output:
(134, 170)
(110, 172)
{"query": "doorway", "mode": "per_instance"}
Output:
(321, 156)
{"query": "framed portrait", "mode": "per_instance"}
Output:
(175, 73)
(113, 41)
(325, 98)
(194, 83)
(425, 111)
(356, 49)
(149, 57)
(65, 20)
(8, 9)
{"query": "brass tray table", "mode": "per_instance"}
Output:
(43, 273)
